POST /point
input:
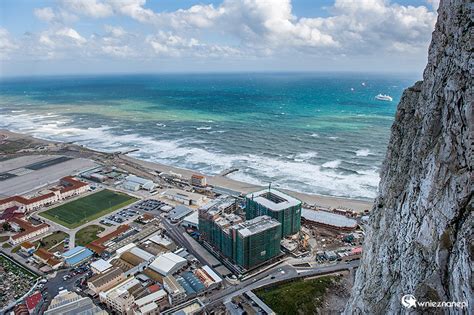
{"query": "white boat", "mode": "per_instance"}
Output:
(383, 97)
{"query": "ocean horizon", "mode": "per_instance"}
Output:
(320, 133)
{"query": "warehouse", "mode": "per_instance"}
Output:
(168, 264)
(328, 220)
(135, 183)
(77, 255)
(191, 221)
(179, 213)
(184, 197)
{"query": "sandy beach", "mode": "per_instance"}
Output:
(216, 180)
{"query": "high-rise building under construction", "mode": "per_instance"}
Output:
(277, 205)
(245, 243)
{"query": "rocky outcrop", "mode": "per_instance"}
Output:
(420, 236)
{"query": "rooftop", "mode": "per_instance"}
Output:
(328, 218)
(100, 279)
(179, 212)
(33, 300)
(273, 199)
(151, 298)
(256, 225)
(166, 263)
(101, 265)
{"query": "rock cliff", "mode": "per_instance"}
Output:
(420, 236)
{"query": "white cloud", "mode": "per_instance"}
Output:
(7, 45)
(45, 14)
(92, 8)
(72, 34)
(50, 15)
(245, 29)
(115, 31)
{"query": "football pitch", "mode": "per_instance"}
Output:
(86, 209)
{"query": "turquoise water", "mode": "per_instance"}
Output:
(314, 133)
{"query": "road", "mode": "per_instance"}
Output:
(275, 275)
(177, 235)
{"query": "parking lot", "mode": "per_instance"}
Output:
(150, 205)
(119, 217)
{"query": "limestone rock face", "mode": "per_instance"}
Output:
(420, 236)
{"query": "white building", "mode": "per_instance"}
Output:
(184, 197)
(135, 183)
(152, 303)
(119, 298)
(191, 220)
(100, 266)
(168, 263)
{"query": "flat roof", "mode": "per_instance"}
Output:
(256, 225)
(179, 212)
(101, 265)
(151, 297)
(328, 218)
(167, 262)
(192, 218)
(273, 199)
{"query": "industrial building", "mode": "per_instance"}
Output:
(277, 205)
(184, 197)
(191, 221)
(77, 255)
(134, 183)
(178, 213)
(72, 303)
(168, 263)
(245, 243)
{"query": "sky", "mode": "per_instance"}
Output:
(153, 36)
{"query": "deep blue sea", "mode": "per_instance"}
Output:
(316, 133)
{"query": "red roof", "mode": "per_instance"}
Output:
(153, 288)
(33, 300)
(71, 184)
(356, 250)
(10, 213)
(97, 245)
(25, 201)
(27, 227)
(43, 254)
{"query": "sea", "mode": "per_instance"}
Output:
(320, 133)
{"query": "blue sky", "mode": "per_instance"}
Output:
(116, 36)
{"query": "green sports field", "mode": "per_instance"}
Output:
(86, 209)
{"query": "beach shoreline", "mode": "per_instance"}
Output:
(214, 180)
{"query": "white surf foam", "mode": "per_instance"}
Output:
(204, 128)
(363, 152)
(301, 175)
(332, 164)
